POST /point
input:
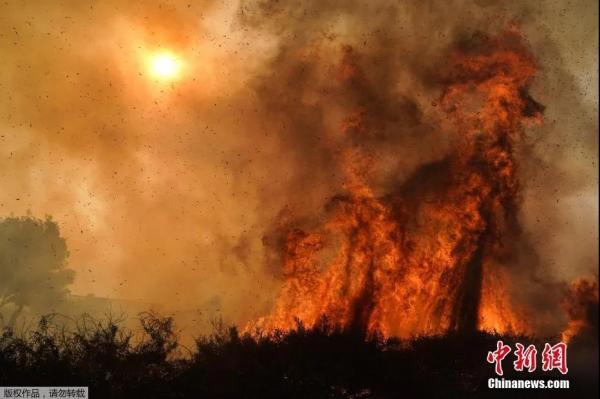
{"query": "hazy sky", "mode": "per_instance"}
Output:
(164, 188)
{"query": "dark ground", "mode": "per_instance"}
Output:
(318, 363)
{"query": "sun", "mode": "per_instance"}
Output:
(165, 66)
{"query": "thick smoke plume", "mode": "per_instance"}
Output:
(184, 195)
(431, 253)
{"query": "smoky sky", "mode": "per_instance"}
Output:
(167, 192)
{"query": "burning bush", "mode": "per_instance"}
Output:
(430, 255)
(581, 304)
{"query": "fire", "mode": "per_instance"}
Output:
(427, 257)
(581, 304)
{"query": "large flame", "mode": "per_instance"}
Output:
(427, 257)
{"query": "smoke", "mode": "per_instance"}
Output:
(581, 304)
(176, 194)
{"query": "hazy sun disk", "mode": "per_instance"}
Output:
(165, 66)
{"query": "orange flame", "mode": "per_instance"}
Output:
(422, 260)
(581, 304)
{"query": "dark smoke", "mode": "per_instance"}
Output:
(168, 196)
(385, 70)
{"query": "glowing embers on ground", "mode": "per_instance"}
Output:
(403, 266)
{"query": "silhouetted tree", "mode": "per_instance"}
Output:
(33, 269)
